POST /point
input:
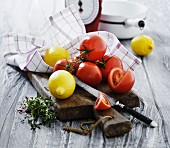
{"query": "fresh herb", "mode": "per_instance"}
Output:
(38, 111)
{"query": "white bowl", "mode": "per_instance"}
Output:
(122, 18)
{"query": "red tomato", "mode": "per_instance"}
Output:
(102, 103)
(89, 73)
(64, 64)
(120, 81)
(76, 61)
(107, 63)
(93, 48)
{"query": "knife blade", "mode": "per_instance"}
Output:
(113, 102)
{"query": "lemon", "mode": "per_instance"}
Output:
(142, 45)
(54, 54)
(61, 84)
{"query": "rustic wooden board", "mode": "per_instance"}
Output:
(80, 105)
(117, 126)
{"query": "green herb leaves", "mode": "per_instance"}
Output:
(39, 111)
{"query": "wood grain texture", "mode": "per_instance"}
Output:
(152, 85)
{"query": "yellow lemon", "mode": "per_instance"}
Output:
(61, 84)
(54, 54)
(142, 45)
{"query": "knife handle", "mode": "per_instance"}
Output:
(137, 115)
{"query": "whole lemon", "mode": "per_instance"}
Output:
(142, 45)
(61, 84)
(54, 54)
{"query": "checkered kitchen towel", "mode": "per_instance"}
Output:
(64, 29)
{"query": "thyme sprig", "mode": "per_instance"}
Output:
(38, 111)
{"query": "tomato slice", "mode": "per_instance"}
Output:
(120, 81)
(102, 103)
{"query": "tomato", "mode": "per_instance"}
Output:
(93, 48)
(64, 64)
(107, 63)
(102, 103)
(89, 73)
(76, 61)
(120, 81)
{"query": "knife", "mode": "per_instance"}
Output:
(113, 102)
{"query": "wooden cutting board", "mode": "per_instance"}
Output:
(80, 105)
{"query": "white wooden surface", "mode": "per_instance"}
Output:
(152, 83)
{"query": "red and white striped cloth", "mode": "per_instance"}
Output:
(64, 29)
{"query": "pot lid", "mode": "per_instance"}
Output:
(119, 11)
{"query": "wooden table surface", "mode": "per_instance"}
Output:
(152, 83)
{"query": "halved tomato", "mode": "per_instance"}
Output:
(102, 103)
(120, 81)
